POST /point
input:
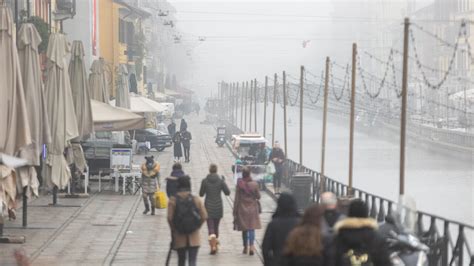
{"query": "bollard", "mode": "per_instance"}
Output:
(300, 185)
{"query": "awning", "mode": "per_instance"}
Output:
(172, 93)
(140, 104)
(110, 118)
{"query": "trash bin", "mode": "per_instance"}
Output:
(301, 187)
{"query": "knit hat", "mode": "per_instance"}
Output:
(358, 209)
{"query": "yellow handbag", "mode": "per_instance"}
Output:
(161, 200)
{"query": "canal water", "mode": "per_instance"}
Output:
(440, 183)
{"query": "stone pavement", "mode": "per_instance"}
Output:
(110, 229)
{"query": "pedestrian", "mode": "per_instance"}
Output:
(150, 175)
(261, 155)
(212, 186)
(172, 180)
(186, 214)
(357, 239)
(305, 245)
(331, 214)
(172, 128)
(277, 156)
(183, 126)
(247, 210)
(186, 140)
(285, 218)
(177, 151)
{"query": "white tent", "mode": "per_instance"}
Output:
(141, 104)
(109, 118)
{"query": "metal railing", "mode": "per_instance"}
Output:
(447, 239)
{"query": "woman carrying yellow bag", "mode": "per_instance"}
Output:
(150, 174)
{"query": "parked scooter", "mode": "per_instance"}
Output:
(405, 248)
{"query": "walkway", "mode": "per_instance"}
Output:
(110, 229)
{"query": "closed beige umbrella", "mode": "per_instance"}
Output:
(28, 41)
(61, 113)
(98, 82)
(123, 90)
(80, 90)
(82, 102)
(14, 127)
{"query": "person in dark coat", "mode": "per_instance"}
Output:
(172, 128)
(285, 218)
(177, 151)
(246, 210)
(212, 186)
(150, 174)
(186, 140)
(357, 236)
(331, 214)
(183, 126)
(277, 156)
(172, 180)
(305, 245)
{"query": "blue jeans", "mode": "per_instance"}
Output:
(248, 237)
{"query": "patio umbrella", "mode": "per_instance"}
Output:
(123, 96)
(14, 127)
(28, 41)
(80, 90)
(98, 82)
(109, 118)
(82, 103)
(61, 113)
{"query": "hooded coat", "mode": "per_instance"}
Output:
(212, 186)
(360, 234)
(172, 182)
(150, 178)
(284, 219)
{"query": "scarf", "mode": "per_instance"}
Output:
(242, 183)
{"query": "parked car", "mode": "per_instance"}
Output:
(158, 138)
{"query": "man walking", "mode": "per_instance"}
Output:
(277, 156)
(186, 140)
(331, 214)
(172, 128)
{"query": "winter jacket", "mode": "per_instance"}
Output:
(246, 214)
(361, 236)
(329, 219)
(150, 178)
(172, 182)
(180, 240)
(275, 237)
(211, 187)
(186, 138)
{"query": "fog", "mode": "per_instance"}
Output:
(241, 40)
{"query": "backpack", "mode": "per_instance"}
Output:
(187, 218)
(357, 258)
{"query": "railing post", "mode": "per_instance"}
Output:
(445, 250)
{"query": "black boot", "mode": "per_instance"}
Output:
(147, 207)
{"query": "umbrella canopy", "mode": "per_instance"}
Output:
(141, 104)
(14, 126)
(109, 118)
(98, 82)
(61, 113)
(123, 96)
(28, 41)
(80, 90)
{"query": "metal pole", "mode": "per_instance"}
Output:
(301, 113)
(265, 108)
(28, 12)
(250, 105)
(285, 139)
(274, 108)
(351, 132)
(25, 208)
(236, 102)
(404, 107)
(245, 99)
(242, 106)
(255, 97)
(325, 113)
(447, 107)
